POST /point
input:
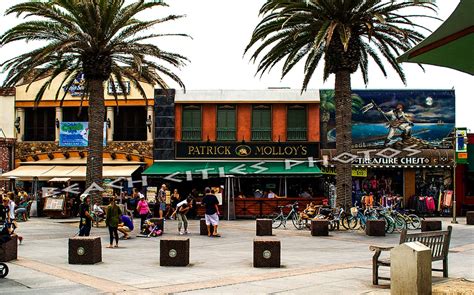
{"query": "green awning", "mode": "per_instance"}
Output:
(219, 168)
(451, 45)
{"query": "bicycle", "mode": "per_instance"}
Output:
(280, 218)
(360, 217)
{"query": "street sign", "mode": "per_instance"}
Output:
(461, 145)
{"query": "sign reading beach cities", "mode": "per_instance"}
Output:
(75, 134)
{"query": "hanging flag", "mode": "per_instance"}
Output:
(367, 107)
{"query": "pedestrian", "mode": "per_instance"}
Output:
(85, 221)
(143, 210)
(112, 221)
(175, 199)
(125, 226)
(182, 208)
(160, 200)
(212, 212)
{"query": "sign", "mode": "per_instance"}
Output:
(54, 204)
(76, 134)
(151, 192)
(356, 172)
(246, 150)
(118, 89)
(461, 145)
(77, 86)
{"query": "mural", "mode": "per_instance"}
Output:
(393, 118)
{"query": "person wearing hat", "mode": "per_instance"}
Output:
(85, 221)
(143, 210)
(398, 121)
(160, 200)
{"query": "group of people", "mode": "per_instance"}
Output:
(117, 221)
(9, 212)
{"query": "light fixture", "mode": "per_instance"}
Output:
(57, 123)
(66, 154)
(17, 124)
(35, 157)
(81, 154)
(108, 123)
(113, 156)
(142, 159)
(148, 123)
(50, 156)
(129, 157)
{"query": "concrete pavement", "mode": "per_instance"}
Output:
(338, 264)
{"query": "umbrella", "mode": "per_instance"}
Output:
(451, 45)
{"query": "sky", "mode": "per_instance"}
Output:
(221, 29)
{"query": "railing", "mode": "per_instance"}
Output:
(225, 133)
(191, 134)
(296, 134)
(261, 134)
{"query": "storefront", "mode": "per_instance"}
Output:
(465, 180)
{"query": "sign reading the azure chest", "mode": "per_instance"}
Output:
(210, 150)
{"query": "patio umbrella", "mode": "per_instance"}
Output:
(451, 45)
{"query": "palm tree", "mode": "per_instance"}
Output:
(102, 40)
(327, 107)
(345, 34)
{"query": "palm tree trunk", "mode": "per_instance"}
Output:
(96, 138)
(324, 133)
(343, 102)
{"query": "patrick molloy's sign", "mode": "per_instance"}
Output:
(246, 150)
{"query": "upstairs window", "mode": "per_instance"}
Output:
(75, 114)
(297, 123)
(40, 124)
(191, 125)
(226, 122)
(261, 123)
(130, 124)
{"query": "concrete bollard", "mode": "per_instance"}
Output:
(470, 217)
(264, 227)
(85, 250)
(375, 228)
(319, 228)
(174, 252)
(430, 225)
(410, 269)
(266, 252)
(9, 250)
(203, 227)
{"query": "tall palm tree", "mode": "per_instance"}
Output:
(345, 34)
(103, 40)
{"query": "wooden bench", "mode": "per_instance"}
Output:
(437, 241)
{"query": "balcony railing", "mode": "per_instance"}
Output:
(191, 134)
(261, 134)
(225, 133)
(296, 134)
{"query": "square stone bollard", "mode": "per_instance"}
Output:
(85, 250)
(264, 227)
(470, 217)
(319, 227)
(160, 222)
(375, 228)
(266, 252)
(410, 269)
(203, 227)
(430, 225)
(9, 250)
(174, 251)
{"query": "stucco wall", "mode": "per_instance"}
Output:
(7, 116)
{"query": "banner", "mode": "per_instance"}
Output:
(356, 172)
(461, 145)
(76, 134)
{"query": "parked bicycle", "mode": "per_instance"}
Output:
(280, 218)
(359, 218)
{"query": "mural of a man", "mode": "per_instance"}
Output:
(398, 121)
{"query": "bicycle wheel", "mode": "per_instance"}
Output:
(345, 221)
(400, 223)
(413, 221)
(276, 220)
(353, 222)
(298, 222)
(389, 224)
(3, 270)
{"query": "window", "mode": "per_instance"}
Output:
(191, 129)
(297, 123)
(130, 124)
(75, 114)
(226, 122)
(39, 124)
(261, 123)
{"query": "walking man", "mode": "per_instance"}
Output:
(160, 199)
(212, 212)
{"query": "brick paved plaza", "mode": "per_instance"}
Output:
(338, 264)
